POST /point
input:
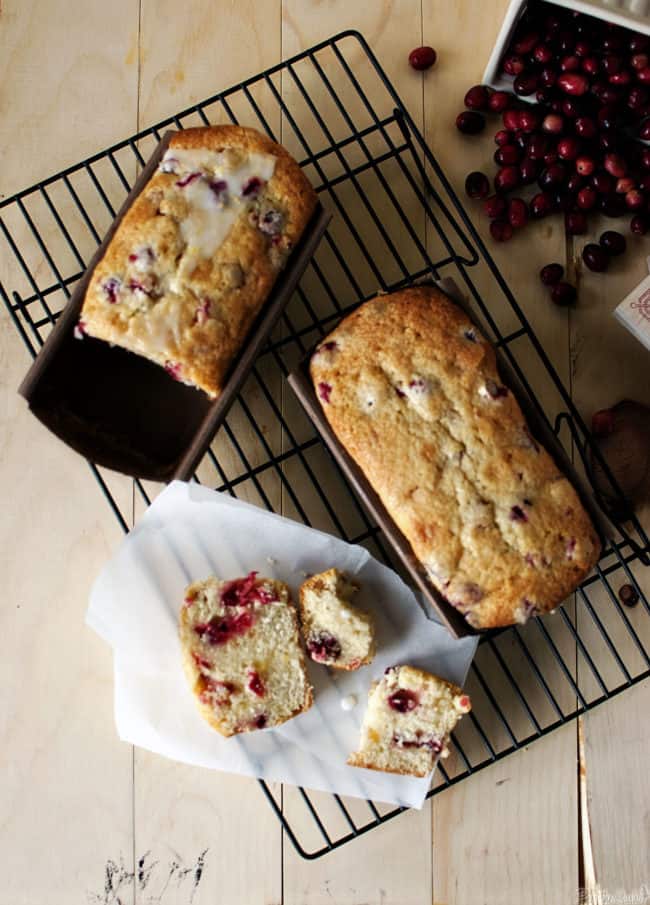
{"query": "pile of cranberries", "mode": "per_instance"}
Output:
(577, 145)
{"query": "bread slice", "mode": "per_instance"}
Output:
(408, 720)
(337, 634)
(242, 654)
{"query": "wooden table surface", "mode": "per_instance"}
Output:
(83, 812)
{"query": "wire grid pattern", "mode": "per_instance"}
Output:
(396, 219)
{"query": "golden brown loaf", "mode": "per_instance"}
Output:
(412, 391)
(194, 258)
(407, 723)
(242, 654)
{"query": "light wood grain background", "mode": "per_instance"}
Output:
(85, 819)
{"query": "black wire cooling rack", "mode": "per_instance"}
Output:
(396, 219)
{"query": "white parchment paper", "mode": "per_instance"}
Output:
(189, 533)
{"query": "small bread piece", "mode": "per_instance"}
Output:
(242, 654)
(336, 633)
(412, 391)
(408, 720)
(194, 258)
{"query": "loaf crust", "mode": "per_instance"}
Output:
(189, 306)
(411, 390)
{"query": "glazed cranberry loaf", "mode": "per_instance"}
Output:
(194, 258)
(412, 391)
(242, 654)
(337, 633)
(407, 723)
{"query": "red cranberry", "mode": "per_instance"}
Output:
(628, 595)
(499, 101)
(639, 61)
(500, 230)
(323, 647)
(528, 171)
(506, 179)
(477, 98)
(537, 146)
(637, 98)
(585, 166)
(635, 200)
(547, 77)
(553, 123)
(470, 122)
(552, 176)
(585, 127)
(251, 187)
(621, 78)
(645, 158)
(644, 130)
(590, 65)
(422, 58)
(582, 49)
(511, 119)
(639, 225)
(574, 183)
(595, 257)
(575, 223)
(566, 41)
(638, 42)
(611, 64)
(255, 683)
(173, 368)
(613, 40)
(625, 185)
(551, 274)
(324, 391)
(571, 107)
(587, 198)
(550, 158)
(503, 137)
(495, 206)
(517, 213)
(542, 54)
(570, 63)
(187, 180)
(525, 43)
(513, 65)
(644, 183)
(260, 721)
(573, 83)
(525, 83)
(528, 120)
(643, 75)
(507, 155)
(477, 185)
(602, 182)
(403, 700)
(540, 205)
(563, 293)
(568, 148)
(613, 243)
(220, 629)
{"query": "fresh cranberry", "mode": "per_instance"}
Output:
(552, 176)
(625, 185)
(470, 122)
(255, 684)
(575, 223)
(547, 77)
(542, 54)
(537, 146)
(525, 42)
(570, 63)
(571, 107)
(595, 257)
(323, 648)
(422, 58)
(585, 166)
(517, 213)
(260, 721)
(639, 60)
(551, 274)
(635, 200)
(644, 130)
(513, 65)
(495, 206)
(590, 65)
(586, 198)
(528, 120)
(602, 423)
(540, 205)
(568, 148)
(506, 179)
(639, 225)
(477, 98)
(638, 43)
(324, 391)
(628, 595)
(173, 368)
(563, 293)
(614, 243)
(622, 78)
(503, 137)
(585, 127)
(511, 120)
(188, 180)
(602, 182)
(611, 63)
(507, 155)
(528, 171)
(643, 75)
(615, 165)
(499, 101)
(573, 83)
(403, 700)
(500, 230)
(242, 591)
(221, 629)
(553, 123)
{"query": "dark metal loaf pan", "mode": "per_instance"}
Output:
(121, 410)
